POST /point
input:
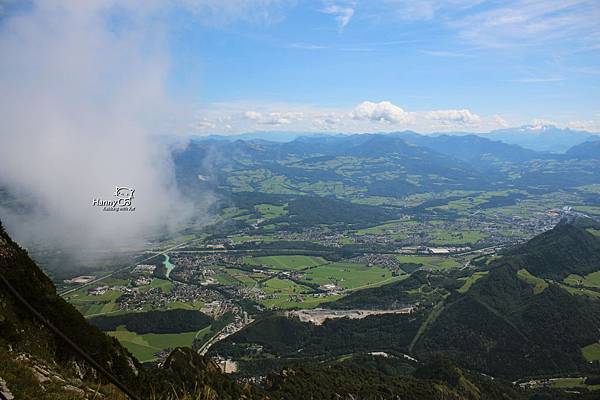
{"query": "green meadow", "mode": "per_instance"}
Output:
(92, 305)
(581, 291)
(591, 280)
(539, 285)
(471, 280)
(591, 352)
(286, 262)
(270, 211)
(348, 275)
(463, 237)
(595, 232)
(145, 346)
(379, 229)
(565, 383)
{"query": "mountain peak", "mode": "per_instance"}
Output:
(568, 248)
(538, 126)
(541, 137)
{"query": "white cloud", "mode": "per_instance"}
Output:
(542, 122)
(506, 23)
(499, 121)
(83, 86)
(383, 111)
(253, 115)
(83, 104)
(343, 13)
(367, 116)
(522, 22)
(329, 120)
(539, 124)
(273, 118)
(426, 9)
(585, 125)
(461, 117)
(203, 123)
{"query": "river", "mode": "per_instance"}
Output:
(168, 265)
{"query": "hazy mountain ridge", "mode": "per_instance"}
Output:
(386, 165)
(588, 149)
(543, 138)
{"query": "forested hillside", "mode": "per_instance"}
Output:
(37, 363)
(516, 319)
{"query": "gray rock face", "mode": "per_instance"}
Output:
(5, 393)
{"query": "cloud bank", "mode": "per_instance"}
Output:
(83, 92)
(461, 117)
(366, 116)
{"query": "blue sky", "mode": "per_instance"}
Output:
(354, 66)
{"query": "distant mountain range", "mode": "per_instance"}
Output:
(590, 149)
(390, 165)
(541, 138)
(545, 138)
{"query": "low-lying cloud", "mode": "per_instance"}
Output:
(366, 116)
(273, 118)
(463, 117)
(81, 99)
